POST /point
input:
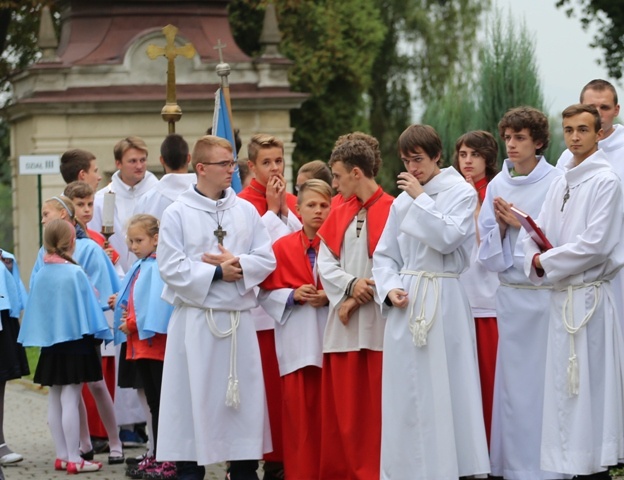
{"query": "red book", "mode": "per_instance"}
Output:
(533, 230)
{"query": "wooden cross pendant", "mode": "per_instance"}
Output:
(566, 197)
(220, 233)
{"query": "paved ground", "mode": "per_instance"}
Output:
(26, 432)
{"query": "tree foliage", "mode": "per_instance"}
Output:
(333, 45)
(507, 77)
(428, 44)
(608, 17)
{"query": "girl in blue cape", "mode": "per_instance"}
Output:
(13, 362)
(101, 273)
(64, 318)
(141, 320)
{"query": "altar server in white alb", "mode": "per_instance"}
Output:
(175, 158)
(582, 216)
(129, 183)
(432, 418)
(521, 307)
(213, 250)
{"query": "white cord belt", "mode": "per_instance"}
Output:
(524, 286)
(419, 326)
(232, 396)
(568, 324)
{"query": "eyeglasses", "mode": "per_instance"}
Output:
(223, 164)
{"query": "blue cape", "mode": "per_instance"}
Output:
(21, 289)
(152, 312)
(96, 264)
(61, 307)
(9, 294)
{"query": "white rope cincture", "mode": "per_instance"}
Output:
(419, 326)
(524, 286)
(568, 312)
(232, 395)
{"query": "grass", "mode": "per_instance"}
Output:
(32, 353)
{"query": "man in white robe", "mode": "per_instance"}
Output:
(582, 216)
(174, 157)
(432, 417)
(521, 309)
(213, 250)
(129, 183)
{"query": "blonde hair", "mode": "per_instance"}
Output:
(148, 223)
(260, 141)
(58, 239)
(317, 186)
(203, 147)
(122, 146)
(61, 204)
(64, 203)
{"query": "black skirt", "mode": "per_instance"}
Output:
(13, 361)
(127, 373)
(71, 362)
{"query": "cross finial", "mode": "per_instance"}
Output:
(220, 46)
(171, 112)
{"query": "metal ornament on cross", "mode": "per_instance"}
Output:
(171, 112)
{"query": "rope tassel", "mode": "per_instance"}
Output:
(419, 333)
(232, 396)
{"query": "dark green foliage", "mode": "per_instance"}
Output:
(608, 17)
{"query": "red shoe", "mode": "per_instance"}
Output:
(84, 466)
(60, 465)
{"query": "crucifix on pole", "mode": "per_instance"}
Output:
(171, 112)
(223, 70)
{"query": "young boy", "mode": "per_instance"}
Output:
(522, 311)
(582, 216)
(432, 418)
(267, 192)
(294, 297)
(353, 340)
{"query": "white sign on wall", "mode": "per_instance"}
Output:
(39, 164)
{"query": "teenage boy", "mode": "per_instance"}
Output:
(522, 310)
(602, 95)
(175, 158)
(353, 341)
(277, 207)
(213, 249)
(293, 295)
(431, 400)
(80, 165)
(129, 182)
(582, 216)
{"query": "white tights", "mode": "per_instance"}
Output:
(105, 408)
(63, 420)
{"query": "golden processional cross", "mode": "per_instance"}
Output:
(171, 112)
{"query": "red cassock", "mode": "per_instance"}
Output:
(96, 427)
(351, 381)
(487, 344)
(301, 389)
(255, 193)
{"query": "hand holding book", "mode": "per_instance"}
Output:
(532, 229)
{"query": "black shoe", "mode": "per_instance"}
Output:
(135, 460)
(100, 445)
(87, 455)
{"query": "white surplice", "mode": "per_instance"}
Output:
(365, 327)
(583, 431)
(126, 198)
(432, 417)
(164, 193)
(522, 316)
(298, 331)
(195, 423)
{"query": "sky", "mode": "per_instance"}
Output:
(565, 60)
